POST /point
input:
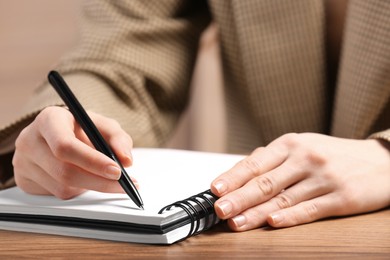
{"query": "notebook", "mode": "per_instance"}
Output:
(174, 186)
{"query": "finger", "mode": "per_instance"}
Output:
(262, 160)
(65, 185)
(61, 139)
(257, 216)
(258, 190)
(117, 138)
(38, 182)
(120, 144)
(65, 174)
(27, 184)
(70, 181)
(306, 211)
(68, 176)
(32, 187)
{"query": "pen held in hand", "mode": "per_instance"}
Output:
(92, 132)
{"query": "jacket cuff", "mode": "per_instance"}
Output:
(384, 135)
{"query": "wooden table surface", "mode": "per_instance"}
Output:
(359, 237)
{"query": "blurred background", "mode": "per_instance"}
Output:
(34, 34)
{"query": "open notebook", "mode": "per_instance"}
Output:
(173, 185)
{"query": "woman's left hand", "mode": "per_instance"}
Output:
(300, 178)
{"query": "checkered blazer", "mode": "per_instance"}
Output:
(135, 59)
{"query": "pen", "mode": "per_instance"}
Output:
(92, 132)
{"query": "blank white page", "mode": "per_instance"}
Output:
(164, 175)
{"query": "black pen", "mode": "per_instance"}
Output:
(92, 132)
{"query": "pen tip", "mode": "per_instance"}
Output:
(141, 207)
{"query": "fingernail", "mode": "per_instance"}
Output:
(135, 182)
(277, 218)
(220, 186)
(239, 220)
(130, 156)
(226, 207)
(113, 172)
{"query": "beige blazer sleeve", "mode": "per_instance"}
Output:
(133, 64)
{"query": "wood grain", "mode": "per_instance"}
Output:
(359, 237)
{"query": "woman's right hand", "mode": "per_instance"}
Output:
(54, 156)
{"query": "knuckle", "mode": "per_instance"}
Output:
(265, 185)
(62, 147)
(283, 201)
(251, 164)
(330, 179)
(290, 139)
(63, 192)
(312, 211)
(63, 174)
(113, 123)
(314, 157)
(21, 143)
(45, 114)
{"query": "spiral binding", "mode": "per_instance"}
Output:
(195, 215)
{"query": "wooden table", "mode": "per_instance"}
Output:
(362, 237)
